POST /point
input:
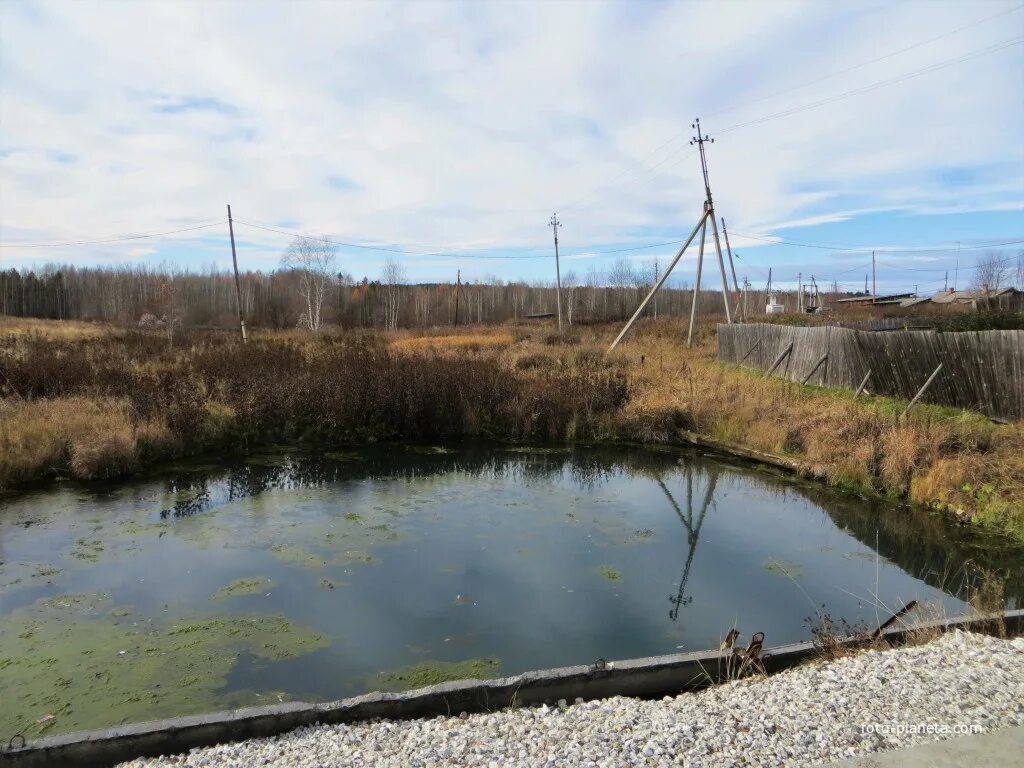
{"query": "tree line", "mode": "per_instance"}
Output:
(307, 290)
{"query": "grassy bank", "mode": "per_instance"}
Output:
(98, 405)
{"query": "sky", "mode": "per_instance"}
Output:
(446, 134)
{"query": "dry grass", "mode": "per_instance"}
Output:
(473, 341)
(52, 329)
(81, 436)
(520, 382)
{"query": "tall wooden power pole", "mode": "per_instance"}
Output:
(558, 272)
(238, 284)
(874, 286)
(701, 227)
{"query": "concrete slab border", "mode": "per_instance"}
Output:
(645, 677)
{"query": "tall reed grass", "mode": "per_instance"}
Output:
(96, 406)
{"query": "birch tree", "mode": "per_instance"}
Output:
(312, 259)
(393, 274)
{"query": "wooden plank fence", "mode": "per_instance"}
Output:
(981, 370)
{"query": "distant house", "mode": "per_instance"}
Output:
(868, 300)
(1006, 299)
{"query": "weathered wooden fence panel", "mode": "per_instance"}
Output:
(981, 370)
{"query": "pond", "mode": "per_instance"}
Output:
(303, 575)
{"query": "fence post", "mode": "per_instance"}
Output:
(816, 366)
(921, 391)
(779, 359)
(863, 383)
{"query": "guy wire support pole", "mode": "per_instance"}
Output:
(696, 283)
(732, 266)
(709, 213)
(664, 276)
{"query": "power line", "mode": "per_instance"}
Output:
(870, 61)
(384, 248)
(852, 249)
(879, 84)
(114, 239)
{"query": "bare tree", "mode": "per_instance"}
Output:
(570, 282)
(312, 259)
(622, 277)
(167, 303)
(393, 274)
(991, 272)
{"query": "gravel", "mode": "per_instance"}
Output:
(805, 716)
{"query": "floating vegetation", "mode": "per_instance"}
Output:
(350, 556)
(343, 456)
(87, 602)
(353, 517)
(433, 672)
(87, 549)
(639, 535)
(786, 568)
(293, 555)
(429, 450)
(609, 573)
(326, 584)
(239, 587)
(537, 450)
(98, 672)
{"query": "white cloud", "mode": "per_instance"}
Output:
(464, 125)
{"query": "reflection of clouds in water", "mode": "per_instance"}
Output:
(925, 546)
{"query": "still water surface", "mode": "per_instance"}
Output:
(315, 576)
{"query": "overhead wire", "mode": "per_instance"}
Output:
(120, 239)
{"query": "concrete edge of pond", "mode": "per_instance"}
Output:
(644, 677)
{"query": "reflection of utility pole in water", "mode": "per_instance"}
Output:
(692, 532)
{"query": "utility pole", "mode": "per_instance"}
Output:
(956, 272)
(799, 291)
(874, 286)
(945, 282)
(558, 273)
(458, 290)
(701, 227)
(238, 284)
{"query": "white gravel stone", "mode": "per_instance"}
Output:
(805, 716)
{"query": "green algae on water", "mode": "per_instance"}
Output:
(429, 450)
(609, 573)
(351, 556)
(293, 555)
(87, 549)
(784, 568)
(341, 456)
(239, 587)
(95, 671)
(432, 672)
